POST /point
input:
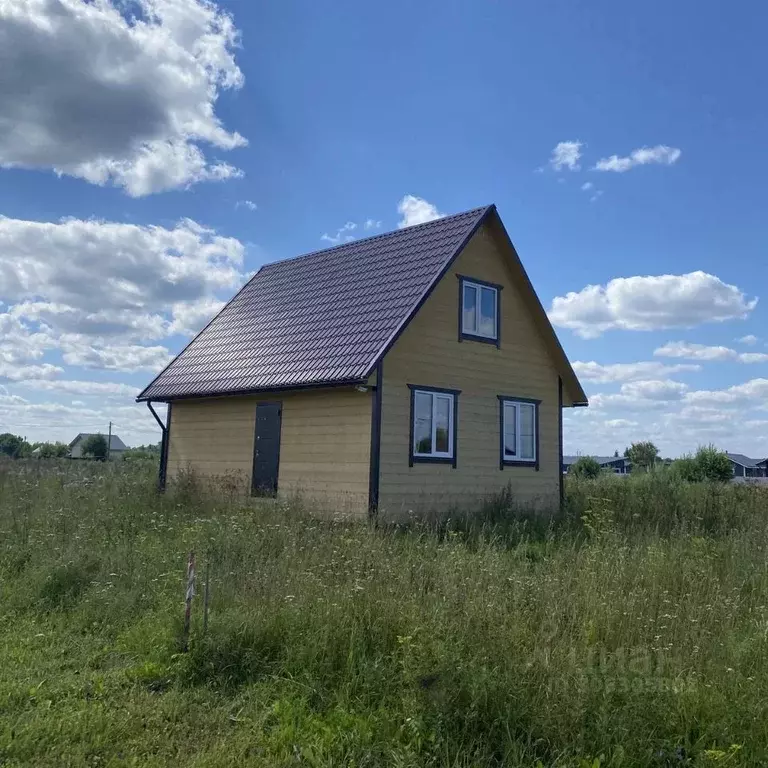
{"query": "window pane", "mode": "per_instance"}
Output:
(527, 432)
(488, 312)
(442, 424)
(510, 429)
(422, 423)
(469, 321)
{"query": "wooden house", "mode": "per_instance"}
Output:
(385, 376)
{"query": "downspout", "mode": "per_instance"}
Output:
(161, 474)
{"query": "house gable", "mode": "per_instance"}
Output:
(430, 352)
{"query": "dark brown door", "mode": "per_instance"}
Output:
(266, 449)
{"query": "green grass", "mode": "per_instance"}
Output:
(631, 632)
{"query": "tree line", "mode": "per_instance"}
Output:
(708, 463)
(94, 447)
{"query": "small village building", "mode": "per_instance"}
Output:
(406, 371)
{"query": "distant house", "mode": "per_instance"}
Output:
(405, 371)
(616, 464)
(743, 466)
(116, 448)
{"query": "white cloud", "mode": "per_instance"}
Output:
(660, 155)
(372, 224)
(23, 372)
(645, 303)
(249, 204)
(130, 358)
(117, 98)
(102, 278)
(587, 185)
(690, 351)
(664, 390)
(598, 194)
(620, 372)
(416, 210)
(342, 234)
(751, 393)
(750, 340)
(100, 388)
(566, 155)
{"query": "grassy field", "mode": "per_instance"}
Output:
(632, 632)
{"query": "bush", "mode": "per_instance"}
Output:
(586, 467)
(95, 446)
(707, 464)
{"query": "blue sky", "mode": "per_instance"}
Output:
(150, 161)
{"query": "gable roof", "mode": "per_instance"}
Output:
(745, 461)
(115, 444)
(599, 459)
(328, 317)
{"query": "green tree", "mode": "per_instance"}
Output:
(52, 450)
(713, 464)
(586, 467)
(13, 445)
(643, 455)
(95, 446)
(707, 464)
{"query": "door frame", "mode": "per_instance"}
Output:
(279, 404)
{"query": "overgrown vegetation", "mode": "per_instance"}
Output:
(629, 632)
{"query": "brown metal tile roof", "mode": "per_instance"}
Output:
(323, 318)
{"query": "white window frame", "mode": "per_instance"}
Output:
(435, 395)
(516, 404)
(479, 288)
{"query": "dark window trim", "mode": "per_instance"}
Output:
(452, 460)
(374, 472)
(472, 336)
(508, 462)
(278, 403)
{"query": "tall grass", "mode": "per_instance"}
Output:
(631, 632)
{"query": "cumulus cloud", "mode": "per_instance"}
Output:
(750, 340)
(751, 393)
(645, 303)
(619, 372)
(416, 210)
(72, 387)
(690, 351)
(566, 156)
(97, 277)
(249, 204)
(99, 293)
(342, 234)
(659, 155)
(371, 224)
(116, 93)
(664, 390)
(23, 372)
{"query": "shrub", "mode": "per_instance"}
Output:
(95, 446)
(707, 464)
(586, 467)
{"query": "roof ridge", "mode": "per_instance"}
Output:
(390, 233)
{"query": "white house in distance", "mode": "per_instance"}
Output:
(116, 448)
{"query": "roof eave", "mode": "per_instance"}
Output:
(327, 384)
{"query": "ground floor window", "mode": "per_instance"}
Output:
(434, 414)
(519, 431)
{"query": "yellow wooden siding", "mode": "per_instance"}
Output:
(429, 353)
(324, 445)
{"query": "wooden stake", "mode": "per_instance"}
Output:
(206, 594)
(190, 593)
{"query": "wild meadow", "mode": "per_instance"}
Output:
(630, 631)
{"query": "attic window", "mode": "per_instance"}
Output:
(479, 316)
